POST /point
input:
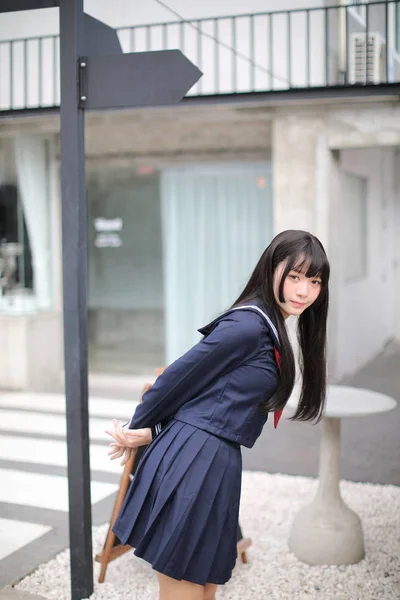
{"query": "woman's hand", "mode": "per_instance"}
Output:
(127, 440)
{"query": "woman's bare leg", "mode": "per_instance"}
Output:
(210, 590)
(172, 589)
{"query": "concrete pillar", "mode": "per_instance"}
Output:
(296, 158)
(306, 188)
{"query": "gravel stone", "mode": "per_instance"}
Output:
(269, 504)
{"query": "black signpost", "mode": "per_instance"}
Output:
(94, 74)
(73, 194)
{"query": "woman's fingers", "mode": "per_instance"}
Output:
(118, 437)
(131, 438)
(138, 437)
(119, 447)
(128, 454)
(111, 433)
(116, 450)
(119, 433)
(117, 443)
(117, 453)
(117, 427)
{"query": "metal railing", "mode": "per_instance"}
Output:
(282, 50)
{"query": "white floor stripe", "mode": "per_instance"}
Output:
(102, 407)
(34, 422)
(16, 534)
(44, 491)
(52, 452)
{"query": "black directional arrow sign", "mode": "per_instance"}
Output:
(137, 79)
(110, 79)
(99, 39)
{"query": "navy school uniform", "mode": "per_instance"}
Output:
(182, 508)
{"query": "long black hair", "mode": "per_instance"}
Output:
(300, 251)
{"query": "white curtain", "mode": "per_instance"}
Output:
(216, 222)
(33, 183)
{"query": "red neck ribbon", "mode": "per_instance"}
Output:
(277, 413)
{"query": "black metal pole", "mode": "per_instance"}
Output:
(73, 195)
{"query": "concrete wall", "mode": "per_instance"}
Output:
(367, 315)
(364, 312)
(165, 136)
(31, 351)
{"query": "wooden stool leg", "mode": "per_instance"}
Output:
(104, 556)
(110, 551)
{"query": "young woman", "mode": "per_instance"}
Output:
(181, 510)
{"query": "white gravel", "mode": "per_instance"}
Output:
(269, 503)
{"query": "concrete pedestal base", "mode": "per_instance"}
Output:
(327, 532)
(324, 535)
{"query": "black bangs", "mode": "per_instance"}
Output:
(310, 259)
(313, 263)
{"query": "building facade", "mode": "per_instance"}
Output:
(290, 127)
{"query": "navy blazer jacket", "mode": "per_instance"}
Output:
(218, 384)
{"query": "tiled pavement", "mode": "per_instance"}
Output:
(33, 476)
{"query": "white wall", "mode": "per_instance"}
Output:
(367, 316)
(308, 143)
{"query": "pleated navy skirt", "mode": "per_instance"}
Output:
(181, 511)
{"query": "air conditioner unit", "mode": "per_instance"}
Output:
(375, 49)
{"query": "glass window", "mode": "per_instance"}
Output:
(25, 257)
(125, 270)
(168, 250)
